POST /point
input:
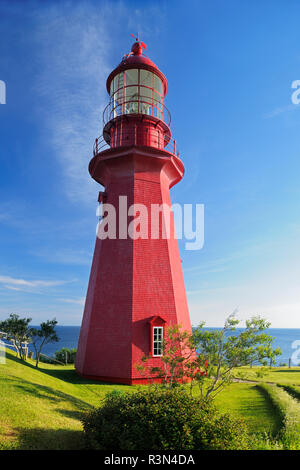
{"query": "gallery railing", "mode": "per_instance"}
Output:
(138, 136)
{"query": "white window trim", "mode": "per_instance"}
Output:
(161, 328)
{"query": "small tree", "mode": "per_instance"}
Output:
(17, 331)
(66, 355)
(179, 360)
(45, 335)
(224, 350)
(209, 357)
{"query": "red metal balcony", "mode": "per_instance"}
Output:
(146, 137)
(136, 120)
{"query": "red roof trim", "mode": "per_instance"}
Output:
(158, 319)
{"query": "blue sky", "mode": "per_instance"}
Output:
(230, 65)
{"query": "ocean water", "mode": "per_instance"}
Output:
(288, 339)
(68, 338)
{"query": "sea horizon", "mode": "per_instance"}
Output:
(288, 339)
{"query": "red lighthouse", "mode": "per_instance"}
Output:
(136, 287)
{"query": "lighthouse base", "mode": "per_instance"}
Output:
(127, 381)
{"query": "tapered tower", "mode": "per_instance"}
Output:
(136, 287)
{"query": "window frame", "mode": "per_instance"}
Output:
(155, 343)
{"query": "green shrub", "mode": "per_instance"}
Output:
(289, 412)
(292, 390)
(265, 441)
(161, 420)
(66, 355)
(47, 360)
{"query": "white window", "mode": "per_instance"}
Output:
(157, 344)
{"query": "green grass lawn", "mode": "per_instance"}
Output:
(278, 375)
(248, 402)
(41, 408)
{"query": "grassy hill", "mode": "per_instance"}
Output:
(41, 408)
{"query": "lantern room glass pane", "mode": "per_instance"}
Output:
(131, 93)
(158, 85)
(145, 100)
(131, 77)
(131, 99)
(157, 99)
(118, 82)
(115, 85)
(146, 94)
(146, 78)
(118, 87)
(145, 107)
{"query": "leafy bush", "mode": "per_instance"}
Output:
(47, 360)
(261, 372)
(66, 355)
(265, 441)
(159, 419)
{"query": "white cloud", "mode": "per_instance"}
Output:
(72, 50)
(75, 42)
(13, 288)
(80, 301)
(18, 284)
(66, 256)
(280, 110)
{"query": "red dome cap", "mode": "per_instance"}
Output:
(137, 48)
